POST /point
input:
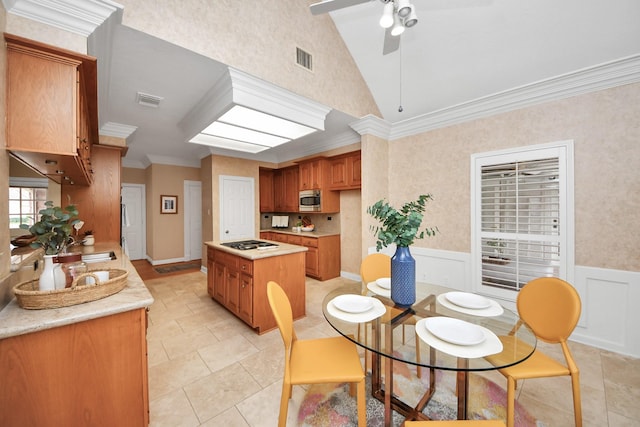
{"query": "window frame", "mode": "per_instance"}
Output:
(32, 183)
(563, 150)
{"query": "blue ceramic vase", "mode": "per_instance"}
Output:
(403, 277)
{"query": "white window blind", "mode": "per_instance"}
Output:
(521, 210)
(520, 222)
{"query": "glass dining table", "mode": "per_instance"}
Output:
(456, 331)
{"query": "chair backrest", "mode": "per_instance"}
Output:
(281, 308)
(375, 266)
(551, 307)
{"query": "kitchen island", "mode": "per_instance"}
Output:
(237, 279)
(84, 364)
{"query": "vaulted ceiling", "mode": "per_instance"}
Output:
(464, 59)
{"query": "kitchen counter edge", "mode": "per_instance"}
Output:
(252, 254)
(15, 320)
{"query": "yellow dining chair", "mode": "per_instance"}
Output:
(375, 266)
(322, 360)
(551, 307)
(455, 423)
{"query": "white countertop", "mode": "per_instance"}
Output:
(18, 321)
(281, 249)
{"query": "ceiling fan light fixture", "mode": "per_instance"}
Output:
(411, 19)
(404, 8)
(386, 21)
(398, 28)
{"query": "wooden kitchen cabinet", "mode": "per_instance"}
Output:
(265, 177)
(285, 189)
(87, 373)
(51, 116)
(345, 171)
(240, 285)
(322, 259)
(99, 203)
(315, 175)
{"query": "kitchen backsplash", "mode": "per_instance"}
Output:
(326, 223)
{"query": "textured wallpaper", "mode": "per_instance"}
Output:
(605, 128)
(260, 38)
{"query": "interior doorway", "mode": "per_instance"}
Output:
(192, 220)
(133, 220)
(237, 207)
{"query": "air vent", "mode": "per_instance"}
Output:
(304, 59)
(148, 100)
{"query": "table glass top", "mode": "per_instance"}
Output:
(472, 329)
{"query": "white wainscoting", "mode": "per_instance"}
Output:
(610, 298)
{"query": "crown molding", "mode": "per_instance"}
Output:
(77, 16)
(603, 76)
(372, 125)
(117, 130)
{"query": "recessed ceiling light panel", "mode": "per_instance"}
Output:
(229, 144)
(248, 118)
(238, 133)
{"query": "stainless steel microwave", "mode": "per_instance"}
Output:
(309, 201)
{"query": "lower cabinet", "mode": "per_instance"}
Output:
(87, 373)
(240, 285)
(322, 259)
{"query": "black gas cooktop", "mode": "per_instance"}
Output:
(244, 245)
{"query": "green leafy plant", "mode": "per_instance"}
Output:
(401, 226)
(54, 228)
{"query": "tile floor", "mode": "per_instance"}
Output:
(207, 368)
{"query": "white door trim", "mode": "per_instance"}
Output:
(143, 215)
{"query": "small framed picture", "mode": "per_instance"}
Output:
(168, 204)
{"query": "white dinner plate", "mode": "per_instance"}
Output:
(455, 331)
(384, 282)
(468, 300)
(351, 303)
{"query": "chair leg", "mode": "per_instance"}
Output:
(419, 368)
(511, 403)
(362, 407)
(284, 404)
(577, 405)
(352, 389)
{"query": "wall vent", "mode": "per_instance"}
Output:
(148, 100)
(304, 59)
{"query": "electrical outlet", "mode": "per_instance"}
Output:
(328, 218)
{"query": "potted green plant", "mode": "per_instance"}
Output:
(401, 227)
(53, 233)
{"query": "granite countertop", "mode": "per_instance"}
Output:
(281, 249)
(313, 233)
(18, 321)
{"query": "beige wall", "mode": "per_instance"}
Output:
(605, 128)
(165, 232)
(262, 40)
(134, 176)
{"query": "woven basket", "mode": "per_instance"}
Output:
(30, 297)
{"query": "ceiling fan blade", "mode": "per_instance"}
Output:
(391, 43)
(331, 5)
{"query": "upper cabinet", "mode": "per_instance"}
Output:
(52, 118)
(312, 174)
(285, 189)
(346, 171)
(265, 178)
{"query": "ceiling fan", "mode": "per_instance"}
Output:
(397, 16)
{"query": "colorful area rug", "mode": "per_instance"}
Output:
(178, 267)
(331, 405)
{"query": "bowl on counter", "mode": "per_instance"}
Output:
(307, 228)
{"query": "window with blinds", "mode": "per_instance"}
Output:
(521, 205)
(520, 222)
